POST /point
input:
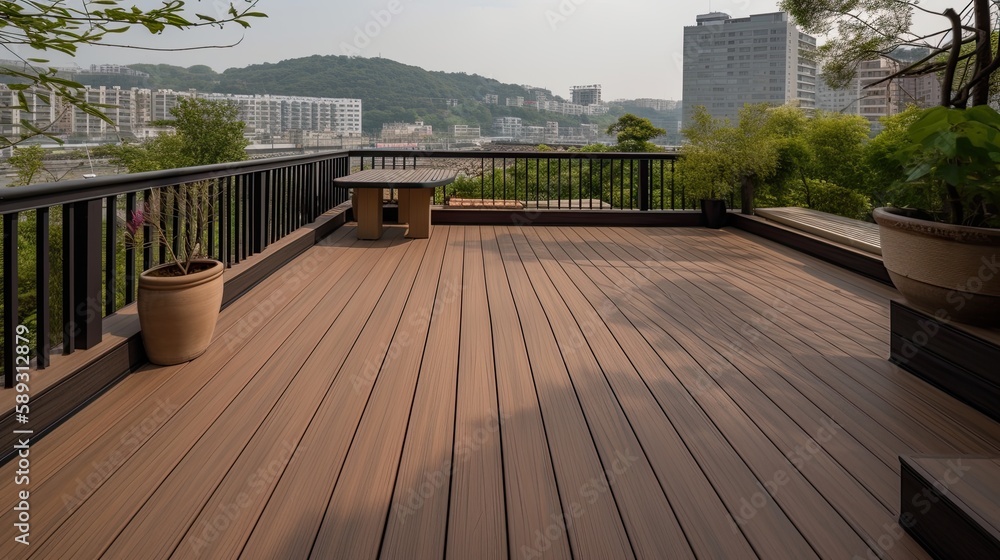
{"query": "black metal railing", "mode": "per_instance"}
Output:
(82, 270)
(551, 179)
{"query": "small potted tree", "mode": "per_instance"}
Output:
(719, 157)
(179, 301)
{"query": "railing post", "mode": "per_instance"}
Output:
(258, 211)
(10, 318)
(645, 184)
(84, 274)
(746, 196)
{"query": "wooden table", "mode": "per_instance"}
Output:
(416, 188)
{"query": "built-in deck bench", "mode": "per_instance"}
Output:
(846, 231)
(951, 504)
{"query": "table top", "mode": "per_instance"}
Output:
(397, 178)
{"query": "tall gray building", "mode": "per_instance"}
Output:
(729, 62)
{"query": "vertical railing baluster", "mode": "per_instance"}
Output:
(43, 274)
(224, 221)
(176, 211)
(69, 268)
(147, 232)
(10, 289)
(130, 202)
(110, 255)
(211, 222)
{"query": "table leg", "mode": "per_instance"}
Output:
(419, 224)
(369, 213)
(403, 198)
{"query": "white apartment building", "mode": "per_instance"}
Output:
(465, 131)
(134, 110)
(729, 62)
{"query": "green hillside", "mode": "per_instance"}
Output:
(391, 91)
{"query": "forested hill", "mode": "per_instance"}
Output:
(391, 91)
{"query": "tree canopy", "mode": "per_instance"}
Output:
(634, 133)
(55, 25)
(207, 132)
(962, 51)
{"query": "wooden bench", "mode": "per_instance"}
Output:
(846, 231)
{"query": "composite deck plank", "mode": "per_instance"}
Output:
(746, 340)
(242, 495)
(131, 486)
(806, 268)
(290, 522)
(649, 519)
(417, 525)
(532, 493)
(477, 516)
(366, 480)
(888, 393)
(92, 422)
(830, 535)
(671, 367)
(750, 351)
(866, 303)
(895, 401)
(700, 512)
(592, 520)
(98, 460)
(272, 409)
(865, 514)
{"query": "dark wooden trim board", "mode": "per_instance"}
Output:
(950, 505)
(546, 217)
(961, 361)
(847, 257)
(108, 366)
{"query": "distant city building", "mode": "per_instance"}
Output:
(571, 108)
(508, 127)
(132, 112)
(873, 96)
(654, 104)
(729, 62)
(116, 69)
(491, 99)
(406, 130)
(515, 101)
(465, 131)
(586, 95)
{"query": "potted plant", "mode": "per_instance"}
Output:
(179, 301)
(943, 257)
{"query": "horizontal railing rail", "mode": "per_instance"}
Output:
(65, 262)
(549, 179)
(66, 267)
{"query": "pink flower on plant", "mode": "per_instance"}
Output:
(133, 225)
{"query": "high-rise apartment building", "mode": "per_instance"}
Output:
(729, 62)
(873, 95)
(586, 95)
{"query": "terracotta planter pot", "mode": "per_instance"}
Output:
(177, 314)
(949, 271)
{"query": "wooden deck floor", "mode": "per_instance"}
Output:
(511, 393)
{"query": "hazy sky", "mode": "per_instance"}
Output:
(631, 47)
